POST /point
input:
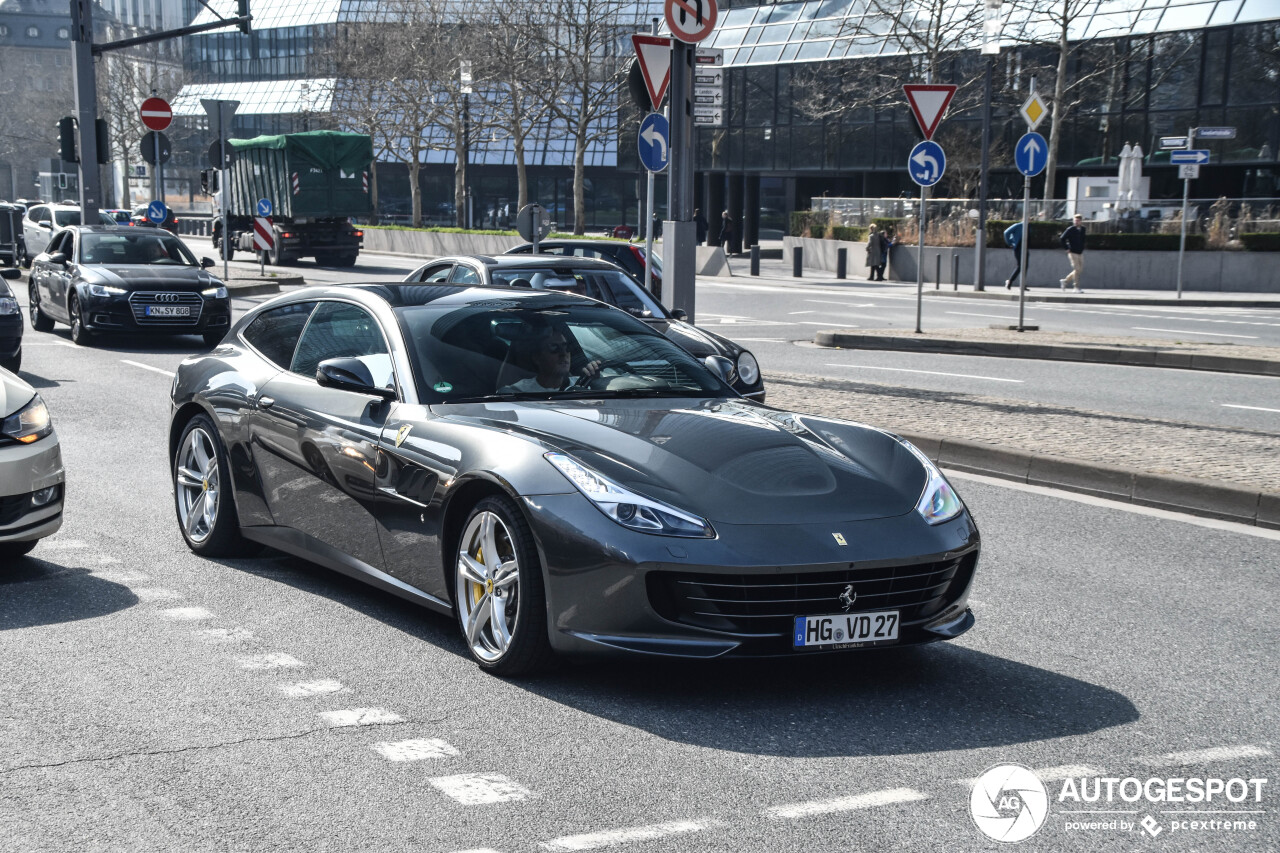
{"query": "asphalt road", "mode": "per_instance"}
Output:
(154, 700)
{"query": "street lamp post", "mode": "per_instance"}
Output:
(464, 80)
(990, 49)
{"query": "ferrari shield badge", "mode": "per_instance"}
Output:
(839, 536)
(402, 434)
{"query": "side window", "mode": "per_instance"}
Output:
(55, 244)
(275, 333)
(436, 273)
(463, 274)
(38, 213)
(68, 247)
(339, 330)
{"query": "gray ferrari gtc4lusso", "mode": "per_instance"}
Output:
(560, 477)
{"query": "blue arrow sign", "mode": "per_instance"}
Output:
(926, 163)
(654, 142)
(264, 207)
(157, 212)
(1195, 155)
(1031, 154)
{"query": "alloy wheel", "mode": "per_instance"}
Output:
(488, 586)
(197, 485)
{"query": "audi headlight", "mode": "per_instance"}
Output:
(30, 423)
(938, 502)
(219, 292)
(748, 369)
(106, 290)
(625, 506)
(8, 305)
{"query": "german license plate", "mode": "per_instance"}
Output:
(168, 311)
(845, 630)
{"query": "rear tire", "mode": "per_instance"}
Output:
(202, 493)
(345, 260)
(39, 320)
(13, 365)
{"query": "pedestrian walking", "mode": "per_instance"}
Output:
(875, 254)
(1013, 239)
(1073, 241)
(885, 245)
(726, 232)
(700, 223)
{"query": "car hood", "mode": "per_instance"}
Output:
(726, 460)
(14, 394)
(697, 342)
(140, 276)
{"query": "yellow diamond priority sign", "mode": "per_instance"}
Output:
(1034, 111)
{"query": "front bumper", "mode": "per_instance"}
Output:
(609, 589)
(129, 313)
(10, 335)
(27, 471)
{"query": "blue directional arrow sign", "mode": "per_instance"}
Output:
(1195, 155)
(1031, 154)
(654, 142)
(264, 207)
(926, 163)
(157, 212)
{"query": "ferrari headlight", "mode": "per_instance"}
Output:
(8, 305)
(219, 292)
(106, 290)
(625, 506)
(748, 369)
(938, 502)
(28, 424)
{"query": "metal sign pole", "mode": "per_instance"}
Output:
(537, 230)
(924, 195)
(224, 193)
(159, 168)
(648, 207)
(679, 253)
(1022, 249)
(1186, 192)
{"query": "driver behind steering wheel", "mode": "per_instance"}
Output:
(547, 350)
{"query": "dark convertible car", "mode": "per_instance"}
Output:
(562, 478)
(100, 279)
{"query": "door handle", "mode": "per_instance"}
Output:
(265, 402)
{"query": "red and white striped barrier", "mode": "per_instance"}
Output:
(263, 237)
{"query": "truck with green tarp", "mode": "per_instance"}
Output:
(316, 181)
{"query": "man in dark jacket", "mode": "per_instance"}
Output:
(1013, 239)
(701, 225)
(1073, 241)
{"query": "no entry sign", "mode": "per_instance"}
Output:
(156, 113)
(691, 20)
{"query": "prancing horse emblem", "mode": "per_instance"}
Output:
(848, 597)
(402, 434)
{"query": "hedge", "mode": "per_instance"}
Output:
(1143, 242)
(851, 233)
(1044, 235)
(888, 224)
(1261, 242)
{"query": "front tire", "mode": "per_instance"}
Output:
(202, 493)
(14, 550)
(13, 365)
(212, 339)
(79, 334)
(501, 603)
(39, 320)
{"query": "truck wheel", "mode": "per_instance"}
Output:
(345, 260)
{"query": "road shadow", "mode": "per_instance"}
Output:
(35, 592)
(934, 698)
(127, 343)
(35, 380)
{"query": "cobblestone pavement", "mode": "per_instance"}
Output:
(1241, 457)
(1002, 335)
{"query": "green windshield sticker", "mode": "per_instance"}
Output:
(443, 387)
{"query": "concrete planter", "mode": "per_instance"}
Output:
(821, 254)
(433, 244)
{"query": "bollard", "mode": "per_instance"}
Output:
(937, 272)
(842, 262)
(755, 260)
(955, 270)
(797, 261)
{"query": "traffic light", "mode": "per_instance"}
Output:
(67, 139)
(104, 142)
(242, 10)
(209, 181)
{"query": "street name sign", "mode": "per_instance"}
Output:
(1194, 155)
(1031, 154)
(654, 142)
(1189, 171)
(928, 102)
(1167, 142)
(653, 53)
(926, 163)
(1216, 132)
(157, 212)
(264, 207)
(708, 116)
(156, 114)
(691, 21)
(1034, 111)
(704, 56)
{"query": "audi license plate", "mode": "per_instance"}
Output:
(845, 630)
(168, 310)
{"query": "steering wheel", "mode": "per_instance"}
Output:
(600, 382)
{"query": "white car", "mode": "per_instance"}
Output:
(31, 475)
(44, 221)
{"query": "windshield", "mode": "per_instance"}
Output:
(149, 247)
(610, 286)
(500, 349)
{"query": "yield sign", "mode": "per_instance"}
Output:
(654, 55)
(928, 102)
(156, 113)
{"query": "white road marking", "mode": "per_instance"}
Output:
(1105, 503)
(359, 717)
(122, 578)
(417, 749)
(929, 372)
(270, 660)
(844, 804)
(1252, 408)
(829, 324)
(155, 593)
(62, 545)
(186, 614)
(802, 312)
(842, 304)
(107, 560)
(51, 344)
(474, 789)
(1048, 774)
(614, 837)
(226, 635)
(303, 689)
(148, 367)
(994, 316)
(761, 340)
(478, 850)
(1185, 332)
(1204, 756)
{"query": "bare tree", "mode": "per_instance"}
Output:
(360, 102)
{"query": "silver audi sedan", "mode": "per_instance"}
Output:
(31, 475)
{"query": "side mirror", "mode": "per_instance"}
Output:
(678, 313)
(10, 272)
(722, 368)
(58, 259)
(205, 263)
(350, 374)
(46, 223)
